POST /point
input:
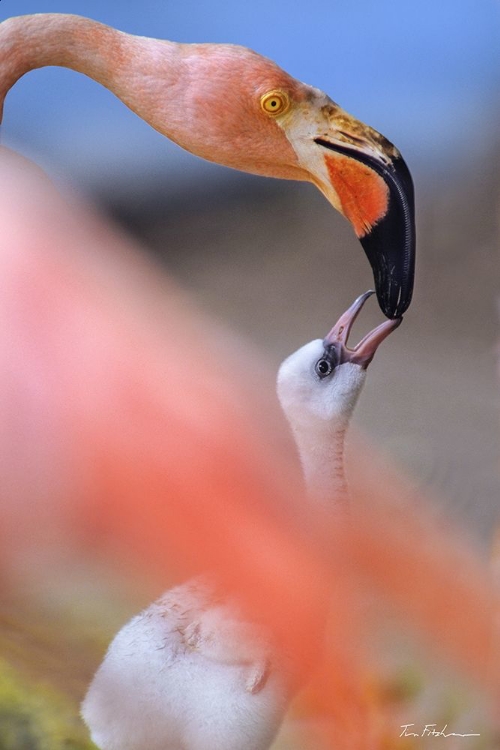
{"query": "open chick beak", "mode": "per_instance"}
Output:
(363, 353)
(369, 182)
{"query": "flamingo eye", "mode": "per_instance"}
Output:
(275, 102)
(323, 367)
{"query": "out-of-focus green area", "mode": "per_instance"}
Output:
(44, 667)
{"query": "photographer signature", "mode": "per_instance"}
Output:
(430, 730)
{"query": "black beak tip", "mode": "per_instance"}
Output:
(390, 245)
(392, 276)
(394, 312)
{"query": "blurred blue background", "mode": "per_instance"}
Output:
(425, 74)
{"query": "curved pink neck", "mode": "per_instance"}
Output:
(199, 95)
(123, 63)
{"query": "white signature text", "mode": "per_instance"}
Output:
(431, 730)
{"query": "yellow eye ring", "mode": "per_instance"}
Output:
(275, 102)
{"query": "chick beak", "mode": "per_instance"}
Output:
(363, 353)
(373, 185)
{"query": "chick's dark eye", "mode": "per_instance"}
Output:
(323, 367)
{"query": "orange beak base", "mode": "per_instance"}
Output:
(378, 199)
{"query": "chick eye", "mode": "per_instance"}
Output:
(323, 367)
(275, 102)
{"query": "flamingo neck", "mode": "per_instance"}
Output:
(322, 457)
(123, 63)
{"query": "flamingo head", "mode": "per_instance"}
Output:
(320, 383)
(252, 115)
(364, 176)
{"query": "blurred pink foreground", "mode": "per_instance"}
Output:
(134, 429)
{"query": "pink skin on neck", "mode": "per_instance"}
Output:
(205, 97)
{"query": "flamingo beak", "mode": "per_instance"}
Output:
(363, 353)
(373, 185)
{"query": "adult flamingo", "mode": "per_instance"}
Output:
(230, 105)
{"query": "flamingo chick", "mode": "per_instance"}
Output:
(188, 673)
(230, 105)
